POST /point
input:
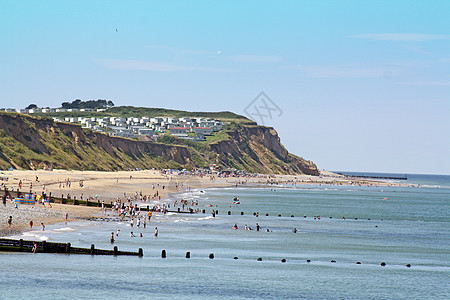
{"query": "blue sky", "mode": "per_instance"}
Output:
(363, 85)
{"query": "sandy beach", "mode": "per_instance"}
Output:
(110, 186)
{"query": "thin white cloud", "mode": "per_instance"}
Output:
(178, 53)
(348, 71)
(410, 64)
(154, 66)
(402, 37)
(256, 58)
(425, 83)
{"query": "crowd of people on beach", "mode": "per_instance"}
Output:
(128, 206)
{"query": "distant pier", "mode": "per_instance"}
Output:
(375, 176)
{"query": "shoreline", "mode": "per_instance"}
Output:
(147, 186)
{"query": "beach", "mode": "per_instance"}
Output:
(102, 186)
(386, 240)
(145, 186)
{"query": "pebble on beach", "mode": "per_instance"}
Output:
(22, 216)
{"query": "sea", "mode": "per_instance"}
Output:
(352, 242)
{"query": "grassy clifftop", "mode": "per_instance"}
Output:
(131, 111)
(34, 142)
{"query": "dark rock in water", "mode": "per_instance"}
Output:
(279, 215)
(235, 257)
(333, 261)
(308, 260)
(383, 264)
(292, 216)
(358, 262)
(211, 255)
(408, 265)
(259, 259)
(283, 260)
(267, 215)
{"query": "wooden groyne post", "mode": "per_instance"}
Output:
(21, 245)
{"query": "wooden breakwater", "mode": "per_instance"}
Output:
(74, 201)
(11, 245)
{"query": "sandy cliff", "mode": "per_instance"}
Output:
(31, 143)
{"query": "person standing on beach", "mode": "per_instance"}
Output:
(31, 224)
(43, 226)
(156, 231)
(149, 215)
(9, 221)
(4, 200)
(112, 237)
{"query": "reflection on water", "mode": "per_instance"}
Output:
(395, 225)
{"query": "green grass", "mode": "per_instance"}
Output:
(61, 151)
(216, 136)
(131, 111)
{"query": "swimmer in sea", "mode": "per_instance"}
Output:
(112, 238)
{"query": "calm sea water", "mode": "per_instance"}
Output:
(395, 225)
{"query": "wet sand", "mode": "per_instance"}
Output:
(109, 186)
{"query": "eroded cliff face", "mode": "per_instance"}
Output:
(32, 143)
(259, 147)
